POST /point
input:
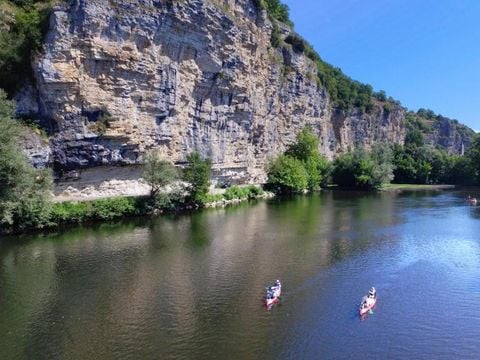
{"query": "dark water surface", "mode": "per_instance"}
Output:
(190, 287)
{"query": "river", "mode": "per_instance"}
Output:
(190, 286)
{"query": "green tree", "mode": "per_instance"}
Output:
(197, 175)
(405, 166)
(382, 156)
(287, 174)
(343, 170)
(473, 155)
(24, 191)
(306, 150)
(414, 137)
(305, 146)
(362, 170)
(158, 173)
(463, 171)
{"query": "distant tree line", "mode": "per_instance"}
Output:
(25, 192)
(411, 163)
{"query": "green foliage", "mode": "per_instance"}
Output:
(275, 39)
(302, 167)
(426, 165)
(102, 209)
(382, 156)
(255, 191)
(287, 174)
(344, 92)
(298, 43)
(24, 191)
(464, 171)
(418, 163)
(110, 208)
(473, 155)
(71, 212)
(30, 22)
(168, 201)
(306, 150)
(362, 170)
(414, 137)
(242, 192)
(275, 10)
(159, 173)
(306, 145)
(197, 175)
(210, 198)
(380, 95)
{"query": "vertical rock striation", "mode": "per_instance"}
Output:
(118, 78)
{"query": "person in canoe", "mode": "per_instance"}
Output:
(273, 293)
(471, 200)
(368, 302)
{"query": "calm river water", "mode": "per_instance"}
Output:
(190, 287)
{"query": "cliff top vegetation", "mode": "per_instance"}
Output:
(23, 23)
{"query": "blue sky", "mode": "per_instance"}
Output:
(425, 53)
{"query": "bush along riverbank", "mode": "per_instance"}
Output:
(107, 209)
(118, 207)
(26, 203)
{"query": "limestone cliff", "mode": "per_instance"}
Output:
(449, 135)
(118, 78)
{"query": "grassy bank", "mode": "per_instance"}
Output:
(106, 209)
(415, 187)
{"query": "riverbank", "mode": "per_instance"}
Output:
(111, 208)
(415, 187)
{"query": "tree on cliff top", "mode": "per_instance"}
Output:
(24, 191)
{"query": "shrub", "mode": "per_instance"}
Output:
(275, 10)
(316, 166)
(286, 174)
(101, 209)
(275, 39)
(110, 208)
(158, 173)
(362, 170)
(75, 212)
(197, 174)
(24, 191)
(255, 191)
(168, 201)
(210, 198)
(236, 192)
(297, 42)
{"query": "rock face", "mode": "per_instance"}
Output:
(120, 78)
(36, 146)
(448, 134)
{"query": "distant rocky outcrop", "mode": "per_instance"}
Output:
(119, 78)
(450, 135)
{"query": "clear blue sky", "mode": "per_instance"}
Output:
(425, 53)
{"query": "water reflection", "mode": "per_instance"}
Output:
(191, 286)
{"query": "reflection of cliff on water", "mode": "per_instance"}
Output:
(112, 286)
